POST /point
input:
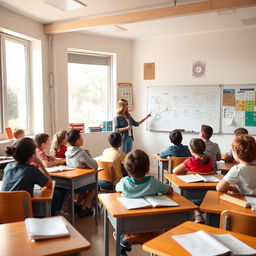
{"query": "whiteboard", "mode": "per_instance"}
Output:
(183, 107)
(238, 108)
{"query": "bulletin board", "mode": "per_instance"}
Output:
(184, 107)
(238, 108)
(125, 92)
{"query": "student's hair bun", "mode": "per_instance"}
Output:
(10, 150)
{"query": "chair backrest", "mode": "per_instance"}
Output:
(238, 222)
(108, 173)
(175, 161)
(15, 206)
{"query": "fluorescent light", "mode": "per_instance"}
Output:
(107, 29)
(67, 4)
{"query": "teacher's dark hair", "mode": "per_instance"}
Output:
(22, 150)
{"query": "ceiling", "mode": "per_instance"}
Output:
(96, 8)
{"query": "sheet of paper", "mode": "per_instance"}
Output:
(228, 115)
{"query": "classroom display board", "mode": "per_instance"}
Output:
(238, 108)
(184, 107)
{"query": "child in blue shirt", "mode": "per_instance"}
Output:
(137, 184)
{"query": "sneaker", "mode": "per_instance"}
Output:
(125, 246)
(85, 212)
(199, 218)
(77, 208)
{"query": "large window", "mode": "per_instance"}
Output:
(15, 99)
(89, 90)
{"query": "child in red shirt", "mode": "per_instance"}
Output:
(58, 145)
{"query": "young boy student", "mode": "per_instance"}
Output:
(212, 149)
(241, 178)
(21, 175)
(42, 141)
(177, 150)
(18, 134)
(137, 184)
(77, 157)
(228, 157)
(113, 154)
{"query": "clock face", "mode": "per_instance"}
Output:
(198, 69)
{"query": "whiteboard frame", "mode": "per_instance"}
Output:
(219, 86)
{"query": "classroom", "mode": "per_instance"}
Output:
(221, 35)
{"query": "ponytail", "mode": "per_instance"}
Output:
(205, 159)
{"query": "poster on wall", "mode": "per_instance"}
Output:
(125, 92)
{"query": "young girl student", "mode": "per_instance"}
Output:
(241, 178)
(21, 175)
(58, 145)
(43, 143)
(199, 163)
(137, 184)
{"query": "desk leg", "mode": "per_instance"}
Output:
(162, 171)
(72, 203)
(106, 233)
(96, 199)
(48, 206)
(158, 170)
(118, 247)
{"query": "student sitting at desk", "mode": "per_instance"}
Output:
(21, 175)
(113, 154)
(77, 157)
(199, 163)
(177, 150)
(241, 178)
(58, 146)
(212, 149)
(228, 157)
(43, 143)
(138, 184)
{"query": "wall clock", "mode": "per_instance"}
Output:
(198, 69)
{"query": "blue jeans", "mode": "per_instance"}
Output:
(126, 146)
(106, 185)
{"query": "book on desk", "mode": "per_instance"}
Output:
(147, 202)
(190, 178)
(59, 168)
(46, 228)
(205, 244)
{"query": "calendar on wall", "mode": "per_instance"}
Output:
(125, 92)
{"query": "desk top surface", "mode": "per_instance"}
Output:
(44, 194)
(164, 245)
(15, 241)
(213, 204)
(157, 157)
(225, 167)
(173, 178)
(71, 174)
(116, 209)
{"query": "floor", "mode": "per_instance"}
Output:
(94, 234)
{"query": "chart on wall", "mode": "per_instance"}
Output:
(183, 107)
(239, 108)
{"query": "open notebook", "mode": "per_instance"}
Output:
(252, 201)
(204, 244)
(198, 178)
(46, 228)
(59, 168)
(147, 202)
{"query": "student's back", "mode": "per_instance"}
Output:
(176, 150)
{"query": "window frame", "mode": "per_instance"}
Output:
(110, 82)
(3, 83)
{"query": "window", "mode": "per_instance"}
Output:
(89, 88)
(15, 87)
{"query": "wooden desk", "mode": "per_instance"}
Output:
(164, 244)
(160, 166)
(41, 201)
(224, 167)
(192, 191)
(141, 220)
(15, 241)
(213, 206)
(74, 179)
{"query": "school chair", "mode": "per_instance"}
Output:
(108, 174)
(236, 221)
(173, 162)
(15, 206)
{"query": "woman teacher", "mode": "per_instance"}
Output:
(124, 123)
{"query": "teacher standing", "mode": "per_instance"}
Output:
(124, 123)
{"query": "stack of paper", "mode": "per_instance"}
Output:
(59, 168)
(46, 228)
(198, 178)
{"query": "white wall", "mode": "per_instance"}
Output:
(61, 44)
(230, 59)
